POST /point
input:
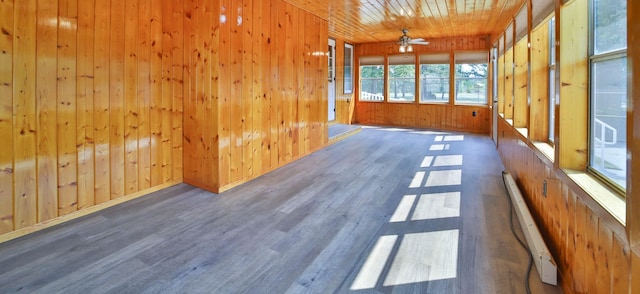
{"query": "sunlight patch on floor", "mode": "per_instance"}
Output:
(438, 205)
(417, 180)
(424, 257)
(454, 138)
(426, 162)
(370, 273)
(448, 160)
(404, 207)
(444, 178)
(439, 147)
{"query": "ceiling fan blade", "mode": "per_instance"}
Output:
(418, 40)
(419, 43)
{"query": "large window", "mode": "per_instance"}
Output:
(435, 73)
(471, 77)
(402, 78)
(608, 109)
(372, 78)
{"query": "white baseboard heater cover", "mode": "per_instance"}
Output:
(542, 258)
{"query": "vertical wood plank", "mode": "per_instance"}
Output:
(508, 84)
(212, 92)
(194, 166)
(573, 70)
(131, 96)
(274, 108)
(297, 34)
(246, 33)
(116, 99)
(521, 68)
(604, 251)
(225, 98)
(620, 266)
(6, 116)
(24, 111)
(101, 102)
(167, 90)
(287, 81)
(85, 105)
(257, 112)
(67, 107)
(46, 73)
(539, 115)
(144, 93)
(280, 95)
(236, 97)
(267, 52)
(178, 90)
(155, 115)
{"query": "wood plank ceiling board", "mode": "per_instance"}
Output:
(372, 21)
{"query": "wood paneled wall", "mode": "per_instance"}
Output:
(589, 245)
(595, 252)
(256, 89)
(91, 104)
(437, 116)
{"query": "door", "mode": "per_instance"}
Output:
(332, 80)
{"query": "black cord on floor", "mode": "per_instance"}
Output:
(524, 245)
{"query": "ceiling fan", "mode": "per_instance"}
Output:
(406, 42)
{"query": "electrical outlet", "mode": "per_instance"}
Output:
(544, 188)
(473, 113)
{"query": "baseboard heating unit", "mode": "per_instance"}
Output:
(543, 260)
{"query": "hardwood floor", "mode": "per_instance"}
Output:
(385, 211)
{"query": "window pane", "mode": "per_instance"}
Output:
(434, 82)
(471, 83)
(402, 82)
(610, 25)
(609, 119)
(371, 83)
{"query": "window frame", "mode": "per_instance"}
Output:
(455, 78)
(390, 79)
(383, 78)
(595, 58)
(348, 69)
(448, 78)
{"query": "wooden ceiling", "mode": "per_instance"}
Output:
(369, 21)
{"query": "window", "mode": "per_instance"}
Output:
(471, 78)
(552, 78)
(348, 68)
(372, 78)
(435, 71)
(402, 78)
(608, 104)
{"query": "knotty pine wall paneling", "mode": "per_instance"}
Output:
(438, 116)
(595, 253)
(6, 116)
(267, 92)
(590, 247)
(87, 115)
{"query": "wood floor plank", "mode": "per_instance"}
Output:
(308, 227)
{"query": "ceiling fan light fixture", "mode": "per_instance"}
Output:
(409, 48)
(402, 49)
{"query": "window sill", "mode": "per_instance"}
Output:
(610, 201)
(371, 101)
(546, 149)
(523, 131)
(509, 121)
